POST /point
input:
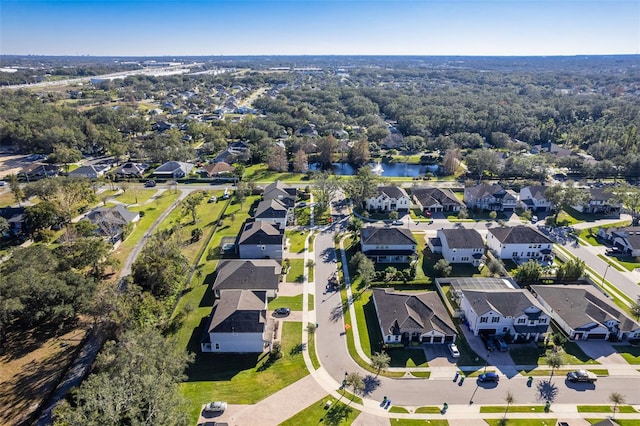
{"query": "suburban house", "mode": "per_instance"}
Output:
(626, 239)
(255, 274)
(260, 240)
(238, 323)
(15, 217)
(389, 198)
(131, 170)
(459, 245)
(419, 317)
(90, 172)
(436, 200)
(458, 284)
(600, 202)
(585, 313)
(490, 197)
(279, 191)
(38, 171)
(513, 312)
(173, 170)
(532, 198)
(112, 222)
(519, 243)
(217, 169)
(388, 244)
(272, 211)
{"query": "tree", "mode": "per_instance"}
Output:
(509, 399)
(495, 267)
(493, 215)
(325, 186)
(311, 328)
(4, 226)
(354, 226)
(393, 215)
(135, 381)
(635, 309)
(561, 197)
(191, 203)
(451, 161)
(196, 234)
(40, 216)
(380, 361)
(554, 360)
(443, 268)
(629, 196)
(617, 399)
(326, 148)
(360, 154)
(15, 187)
(300, 162)
(64, 155)
(531, 271)
(364, 267)
(571, 270)
(277, 160)
(482, 161)
(356, 382)
(361, 186)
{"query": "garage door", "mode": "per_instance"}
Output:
(487, 331)
(448, 338)
(437, 339)
(596, 336)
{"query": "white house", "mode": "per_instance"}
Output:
(90, 172)
(504, 312)
(532, 198)
(600, 201)
(389, 198)
(490, 197)
(461, 245)
(274, 212)
(584, 313)
(626, 239)
(388, 244)
(519, 243)
(238, 323)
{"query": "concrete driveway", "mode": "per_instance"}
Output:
(501, 360)
(601, 351)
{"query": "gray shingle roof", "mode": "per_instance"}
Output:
(373, 235)
(118, 215)
(579, 305)
(537, 191)
(519, 235)
(239, 311)
(262, 274)
(462, 238)
(425, 311)
(394, 192)
(271, 209)
(508, 303)
(260, 233)
(431, 196)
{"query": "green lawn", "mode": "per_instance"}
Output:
(241, 378)
(136, 195)
(621, 422)
(292, 302)
(616, 264)
(296, 240)
(414, 422)
(630, 353)
(521, 422)
(429, 410)
(312, 352)
(259, 173)
(628, 262)
(530, 355)
(628, 409)
(398, 409)
(421, 374)
(559, 372)
(339, 413)
(310, 303)
(512, 409)
(296, 271)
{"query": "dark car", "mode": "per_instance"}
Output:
(501, 344)
(581, 376)
(150, 183)
(282, 311)
(489, 377)
(488, 343)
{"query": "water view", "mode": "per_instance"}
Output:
(388, 169)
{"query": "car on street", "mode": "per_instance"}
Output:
(489, 377)
(453, 348)
(282, 311)
(215, 407)
(150, 183)
(397, 222)
(501, 344)
(581, 376)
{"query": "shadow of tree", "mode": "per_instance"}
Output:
(297, 349)
(337, 312)
(328, 255)
(337, 414)
(547, 391)
(371, 383)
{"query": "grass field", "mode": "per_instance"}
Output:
(339, 414)
(621, 422)
(415, 422)
(512, 409)
(537, 355)
(296, 271)
(296, 240)
(292, 302)
(521, 422)
(606, 409)
(630, 353)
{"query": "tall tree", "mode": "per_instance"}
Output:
(530, 271)
(356, 382)
(361, 186)
(326, 148)
(360, 154)
(380, 361)
(564, 196)
(277, 160)
(482, 161)
(629, 196)
(554, 360)
(300, 162)
(325, 186)
(191, 203)
(15, 187)
(451, 160)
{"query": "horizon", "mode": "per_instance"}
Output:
(215, 28)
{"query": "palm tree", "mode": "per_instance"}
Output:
(554, 360)
(380, 361)
(356, 382)
(617, 399)
(509, 399)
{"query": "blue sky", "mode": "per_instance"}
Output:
(320, 27)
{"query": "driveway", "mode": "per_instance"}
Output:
(601, 351)
(501, 360)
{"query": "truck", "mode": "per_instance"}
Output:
(581, 376)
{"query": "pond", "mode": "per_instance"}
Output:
(388, 169)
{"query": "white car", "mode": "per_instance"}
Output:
(453, 348)
(215, 407)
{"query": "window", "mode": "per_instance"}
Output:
(522, 320)
(464, 259)
(495, 319)
(505, 329)
(542, 320)
(217, 346)
(484, 319)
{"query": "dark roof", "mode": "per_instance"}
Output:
(476, 283)
(394, 192)
(508, 303)
(373, 235)
(281, 187)
(89, 170)
(519, 235)
(172, 166)
(579, 305)
(398, 311)
(239, 311)
(131, 169)
(537, 191)
(430, 196)
(273, 209)
(462, 238)
(599, 194)
(118, 215)
(11, 212)
(262, 233)
(389, 252)
(263, 274)
(484, 190)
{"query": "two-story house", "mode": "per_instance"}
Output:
(274, 212)
(585, 313)
(519, 243)
(279, 191)
(460, 245)
(388, 244)
(600, 201)
(389, 198)
(532, 198)
(504, 312)
(436, 200)
(490, 197)
(254, 274)
(626, 239)
(260, 240)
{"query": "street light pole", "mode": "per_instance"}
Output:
(605, 274)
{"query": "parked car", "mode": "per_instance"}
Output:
(150, 183)
(397, 222)
(453, 348)
(212, 199)
(215, 407)
(282, 311)
(489, 377)
(581, 376)
(501, 344)
(488, 343)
